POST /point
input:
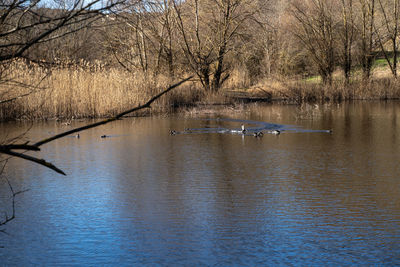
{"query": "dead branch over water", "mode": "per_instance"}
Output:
(8, 149)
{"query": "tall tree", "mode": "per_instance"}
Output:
(208, 29)
(366, 28)
(25, 24)
(390, 31)
(314, 27)
(143, 37)
(347, 36)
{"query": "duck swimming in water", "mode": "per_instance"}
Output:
(104, 136)
(276, 132)
(258, 134)
(172, 132)
(242, 131)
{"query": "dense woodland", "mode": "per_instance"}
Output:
(327, 49)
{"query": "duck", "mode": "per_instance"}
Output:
(276, 132)
(243, 129)
(77, 136)
(172, 132)
(104, 136)
(258, 134)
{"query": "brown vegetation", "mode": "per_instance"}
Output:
(84, 91)
(69, 60)
(93, 90)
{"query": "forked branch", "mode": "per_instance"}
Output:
(118, 116)
(9, 149)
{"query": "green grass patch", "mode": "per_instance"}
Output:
(380, 62)
(313, 79)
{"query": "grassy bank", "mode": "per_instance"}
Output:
(380, 86)
(306, 91)
(82, 90)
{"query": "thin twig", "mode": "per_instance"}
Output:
(36, 160)
(13, 195)
(7, 219)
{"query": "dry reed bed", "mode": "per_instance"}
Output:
(81, 91)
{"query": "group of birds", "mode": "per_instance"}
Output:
(243, 131)
(260, 134)
(103, 136)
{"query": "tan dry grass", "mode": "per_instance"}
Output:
(380, 86)
(83, 90)
(303, 91)
(80, 91)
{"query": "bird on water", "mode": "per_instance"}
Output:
(258, 134)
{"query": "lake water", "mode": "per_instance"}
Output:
(202, 197)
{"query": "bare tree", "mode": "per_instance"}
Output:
(127, 38)
(347, 33)
(163, 30)
(142, 37)
(24, 24)
(207, 30)
(391, 15)
(366, 29)
(314, 27)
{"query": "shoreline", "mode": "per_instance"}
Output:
(195, 109)
(82, 92)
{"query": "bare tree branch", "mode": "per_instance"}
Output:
(19, 146)
(120, 115)
(75, 16)
(8, 149)
(13, 195)
(33, 159)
